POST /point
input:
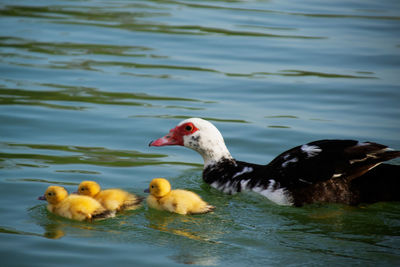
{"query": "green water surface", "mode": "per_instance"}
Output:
(86, 85)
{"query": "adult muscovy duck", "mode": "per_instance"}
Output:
(335, 171)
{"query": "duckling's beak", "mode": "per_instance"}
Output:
(146, 190)
(42, 198)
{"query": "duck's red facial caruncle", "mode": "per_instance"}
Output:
(175, 136)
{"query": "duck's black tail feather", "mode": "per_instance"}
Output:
(379, 184)
(364, 158)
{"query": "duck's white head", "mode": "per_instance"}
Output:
(199, 135)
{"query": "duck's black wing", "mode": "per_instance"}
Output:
(326, 159)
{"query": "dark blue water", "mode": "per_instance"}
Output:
(85, 85)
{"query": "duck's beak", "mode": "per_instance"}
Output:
(42, 198)
(146, 190)
(170, 139)
(167, 140)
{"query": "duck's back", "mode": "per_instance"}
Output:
(112, 199)
(78, 207)
(184, 202)
(117, 199)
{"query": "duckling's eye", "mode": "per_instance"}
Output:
(152, 186)
(189, 128)
(49, 194)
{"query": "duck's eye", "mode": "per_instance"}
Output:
(152, 186)
(49, 194)
(189, 128)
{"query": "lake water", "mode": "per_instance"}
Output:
(86, 85)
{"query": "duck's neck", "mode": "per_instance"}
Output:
(212, 157)
(214, 154)
(213, 150)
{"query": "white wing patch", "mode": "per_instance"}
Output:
(279, 196)
(244, 183)
(245, 170)
(227, 188)
(215, 185)
(289, 161)
(311, 151)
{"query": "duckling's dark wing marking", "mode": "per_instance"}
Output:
(132, 202)
(209, 208)
(103, 214)
(325, 159)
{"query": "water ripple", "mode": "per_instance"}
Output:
(74, 49)
(15, 96)
(183, 117)
(83, 155)
(133, 21)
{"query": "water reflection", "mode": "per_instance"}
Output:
(56, 227)
(53, 231)
(194, 228)
(6, 230)
(179, 225)
(340, 223)
(191, 237)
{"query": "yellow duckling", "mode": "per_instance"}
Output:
(73, 206)
(179, 201)
(111, 199)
